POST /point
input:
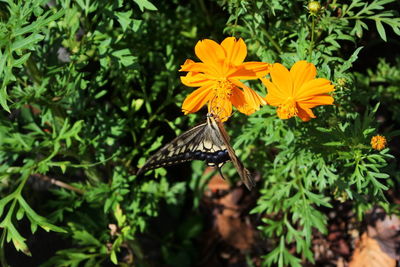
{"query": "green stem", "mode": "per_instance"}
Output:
(236, 21)
(312, 39)
(272, 41)
(3, 261)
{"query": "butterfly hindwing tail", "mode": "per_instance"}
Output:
(244, 173)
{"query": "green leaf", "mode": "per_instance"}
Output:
(3, 95)
(27, 42)
(18, 63)
(125, 57)
(34, 217)
(145, 4)
(14, 235)
(381, 29)
(124, 18)
(38, 24)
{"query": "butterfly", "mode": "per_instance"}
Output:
(208, 141)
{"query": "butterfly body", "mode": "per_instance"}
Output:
(208, 142)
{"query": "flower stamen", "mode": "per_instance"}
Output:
(223, 89)
(287, 109)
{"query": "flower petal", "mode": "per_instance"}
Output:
(302, 72)
(273, 100)
(305, 114)
(251, 97)
(236, 51)
(241, 73)
(317, 100)
(274, 96)
(261, 69)
(211, 53)
(238, 100)
(195, 79)
(197, 99)
(187, 64)
(281, 78)
(314, 87)
(201, 67)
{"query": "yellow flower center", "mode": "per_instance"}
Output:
(287, 109)
(223, 89)
(222, 93)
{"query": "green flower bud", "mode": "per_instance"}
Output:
(341, 82)
(314, 7)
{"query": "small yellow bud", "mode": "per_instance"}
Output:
(314, 7)
(378, 142)
(341, 82)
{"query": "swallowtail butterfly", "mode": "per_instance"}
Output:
(208, 141)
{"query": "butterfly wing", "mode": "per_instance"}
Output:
(244, 173)
(198, 143)
(208, 141)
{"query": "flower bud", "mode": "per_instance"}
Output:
(314, 7)
(378, 142)
(341, 82)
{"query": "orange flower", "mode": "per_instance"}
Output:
(219, 75)
(378, 142)
(296, 91)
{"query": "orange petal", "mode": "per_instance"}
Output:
(305, 114)
(317, 101)
(314, 87)
(261, 69)
(273, 100)
(197, 99)
(210, 53)
(187, 63)
(238, 100)
(236, 51)
(194, 79)
(251, 97)
(302, 72)
(281, 78)
(275, 97)
(200, 67)
(241, 74)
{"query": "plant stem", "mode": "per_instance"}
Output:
(236, 21)
(312, 39)
(273, 42)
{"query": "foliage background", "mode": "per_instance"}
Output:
(90, 88)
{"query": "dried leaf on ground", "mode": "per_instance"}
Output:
(235, 232)
(387, 233)
(369, 254)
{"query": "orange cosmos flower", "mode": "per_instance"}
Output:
(378, 142)
(296, 91)
(219, 75)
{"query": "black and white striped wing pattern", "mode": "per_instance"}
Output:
(203, 142)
